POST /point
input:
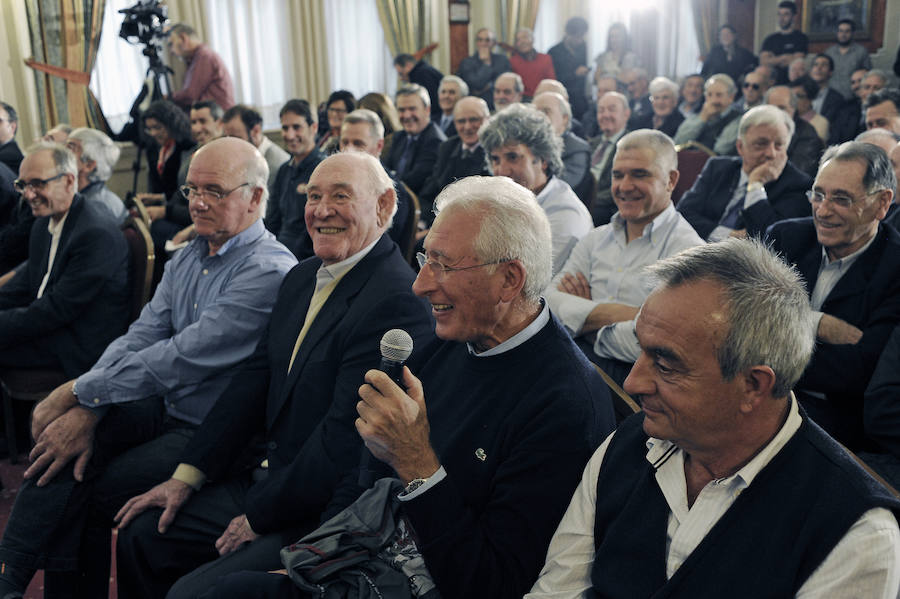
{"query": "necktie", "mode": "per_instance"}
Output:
(405, 157)
(315, 304)
(731, 216)
(600, 153)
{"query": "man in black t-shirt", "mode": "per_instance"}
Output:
(779, 49)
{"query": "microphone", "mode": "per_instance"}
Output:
(396, 347)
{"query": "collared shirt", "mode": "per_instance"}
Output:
(865, 563)
(55, 233)
(749, 198)
(287, 201)
(830, 272)
(206, 316)
(569, 218)
(327, 274)
(614, 268)
(206, 78)
(515, 341)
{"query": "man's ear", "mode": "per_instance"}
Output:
(513, 280)
(758, 384)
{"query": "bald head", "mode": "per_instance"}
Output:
(557, 109)
(468, 116)
(551, 85)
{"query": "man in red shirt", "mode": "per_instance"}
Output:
(206, 77)
(530, 64)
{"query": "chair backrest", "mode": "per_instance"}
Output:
(692, 156)
(411, 227)
(623, 405)
(140, 267)
(141, 211)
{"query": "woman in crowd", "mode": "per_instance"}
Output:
(618, 55)
(169, 131)
(339, 104)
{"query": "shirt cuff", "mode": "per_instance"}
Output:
(818, 316)
(190, 475)
(434, 479)
(720, 233)
(755, 195)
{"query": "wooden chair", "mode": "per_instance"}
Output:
(692, 157)
(623, 405)
(408, 235)
(137, 207)
(140, 266)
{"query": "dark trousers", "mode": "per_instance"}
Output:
(254, 585)
(150, 563)
(51, 527)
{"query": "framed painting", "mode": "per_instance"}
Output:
(819, 20)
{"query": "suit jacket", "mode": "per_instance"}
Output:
(832, 105)
(424, 155)
(430, 78)
(450, 131)
(703, 205)
(11, 155)
(868, 297)
(645, 121)
(450, 166)
(307, 415)
(806, 147)
(85, 304)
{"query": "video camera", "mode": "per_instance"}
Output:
(144, 22)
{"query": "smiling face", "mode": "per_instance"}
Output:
(55, 198)
(692, 90)
(516, 161)
(677, 378)
(844, 229)
(343, 212)
(883, 116)
(640, 188)
(413, 113)
(359, 137)
(448, 96)
(156, 130)
(524, 42)
(664, 102)
(299, 136)
(717, 96)
(870, 84)
(465, 303)
(204, 128)
(336, 111)
(762, 144)
(856, 81)
(612, 114)
(468, 116)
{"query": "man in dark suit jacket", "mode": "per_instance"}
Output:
(458, 157)
(71, 298)
(451, 91)
(299, 390)
(10, 154)
(851, 265)
(414, 150)
(829, 102)
(741, 197)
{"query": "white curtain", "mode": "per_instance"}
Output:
(677, 51)
(358, 57)
(120, 68)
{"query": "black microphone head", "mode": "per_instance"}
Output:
(396, 345)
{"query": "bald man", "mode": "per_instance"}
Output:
(117, 430)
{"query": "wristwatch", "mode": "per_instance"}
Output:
(414, 484)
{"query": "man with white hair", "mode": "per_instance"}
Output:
(721, 474)
(96, 155)
(636, 82)
(598, 292)
(612, 119)
(742, 196)
(413, 150)
(297, 392)
(521, 145)
(716, 125)
(70, 299)
(481, 68)
(117, 429)
(450, 91)
(513, 408)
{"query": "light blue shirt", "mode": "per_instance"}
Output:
(614, 268)
(568, 216)
(207, 315)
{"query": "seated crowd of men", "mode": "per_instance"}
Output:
(247, 439)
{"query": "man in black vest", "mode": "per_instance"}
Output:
(721, 486)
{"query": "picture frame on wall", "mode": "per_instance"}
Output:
(820, 18)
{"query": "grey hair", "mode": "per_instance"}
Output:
(618, 96)
(521, 124)
(792, 97)
(879, 173)
(872, 135)
(525, 30)
(96, 146)
(414, 89)
(663, 83)
(877, 73)
(513, 226)
(724, 79)
(366, 117)
(564, 107)
(659, 143)
(462, 85)
(518, 85)
(765, 115)
(63, 158)
(771, 322)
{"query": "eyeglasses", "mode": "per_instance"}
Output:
(34, 184)
(748, 85)
(209, 196)
(482, 39)
(844, 201)
(442, 269)
(337, 110)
